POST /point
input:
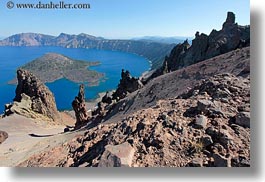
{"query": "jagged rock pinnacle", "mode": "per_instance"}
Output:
(79, 107)
(35, 96)
(230, 19)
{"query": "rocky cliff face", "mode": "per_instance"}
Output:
(33, 98)
(231, 37)
(27, 39)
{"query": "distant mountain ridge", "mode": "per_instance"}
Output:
(153, 51)
(164, 40)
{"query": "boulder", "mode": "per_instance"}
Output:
(21, 108)
(200, 122)
(3, 136)
(79, 106)
(204, 105)
(225, 137)
(220, 161)
(117, 156)
(207, 140)
(243, 119)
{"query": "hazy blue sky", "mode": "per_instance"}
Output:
(124, 18)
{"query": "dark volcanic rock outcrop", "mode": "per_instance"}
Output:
(33, 98)
(231, 37)
(128, 84)
(3, 136)
(107, 98)
(79, 106)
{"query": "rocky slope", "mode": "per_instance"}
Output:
(175, 83)
(231, 37)
(33, 99)
(196, 116)
(153, 51)
(52, 66)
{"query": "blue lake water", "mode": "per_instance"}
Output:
(112, 62)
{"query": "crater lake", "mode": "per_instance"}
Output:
(111, 64)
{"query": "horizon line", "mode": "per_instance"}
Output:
(107, 37)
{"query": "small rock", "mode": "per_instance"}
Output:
(225, 137)
(163, 116)
(99, 127)
(169, 123)
(217, 111)
(234, 89)
(201, 122)
(203, 105)
(206, 152)
(117, 156)
(207, 140)
(69, 162)
(196, 162)
(244, 108)
(243, 119)
(130, 141)
(220, 161)
(3, 136)
(66, 130)
(224, 100)
(211, 131)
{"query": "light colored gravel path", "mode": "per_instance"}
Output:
(28, 137)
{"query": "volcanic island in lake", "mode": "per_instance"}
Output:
(52, 66)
